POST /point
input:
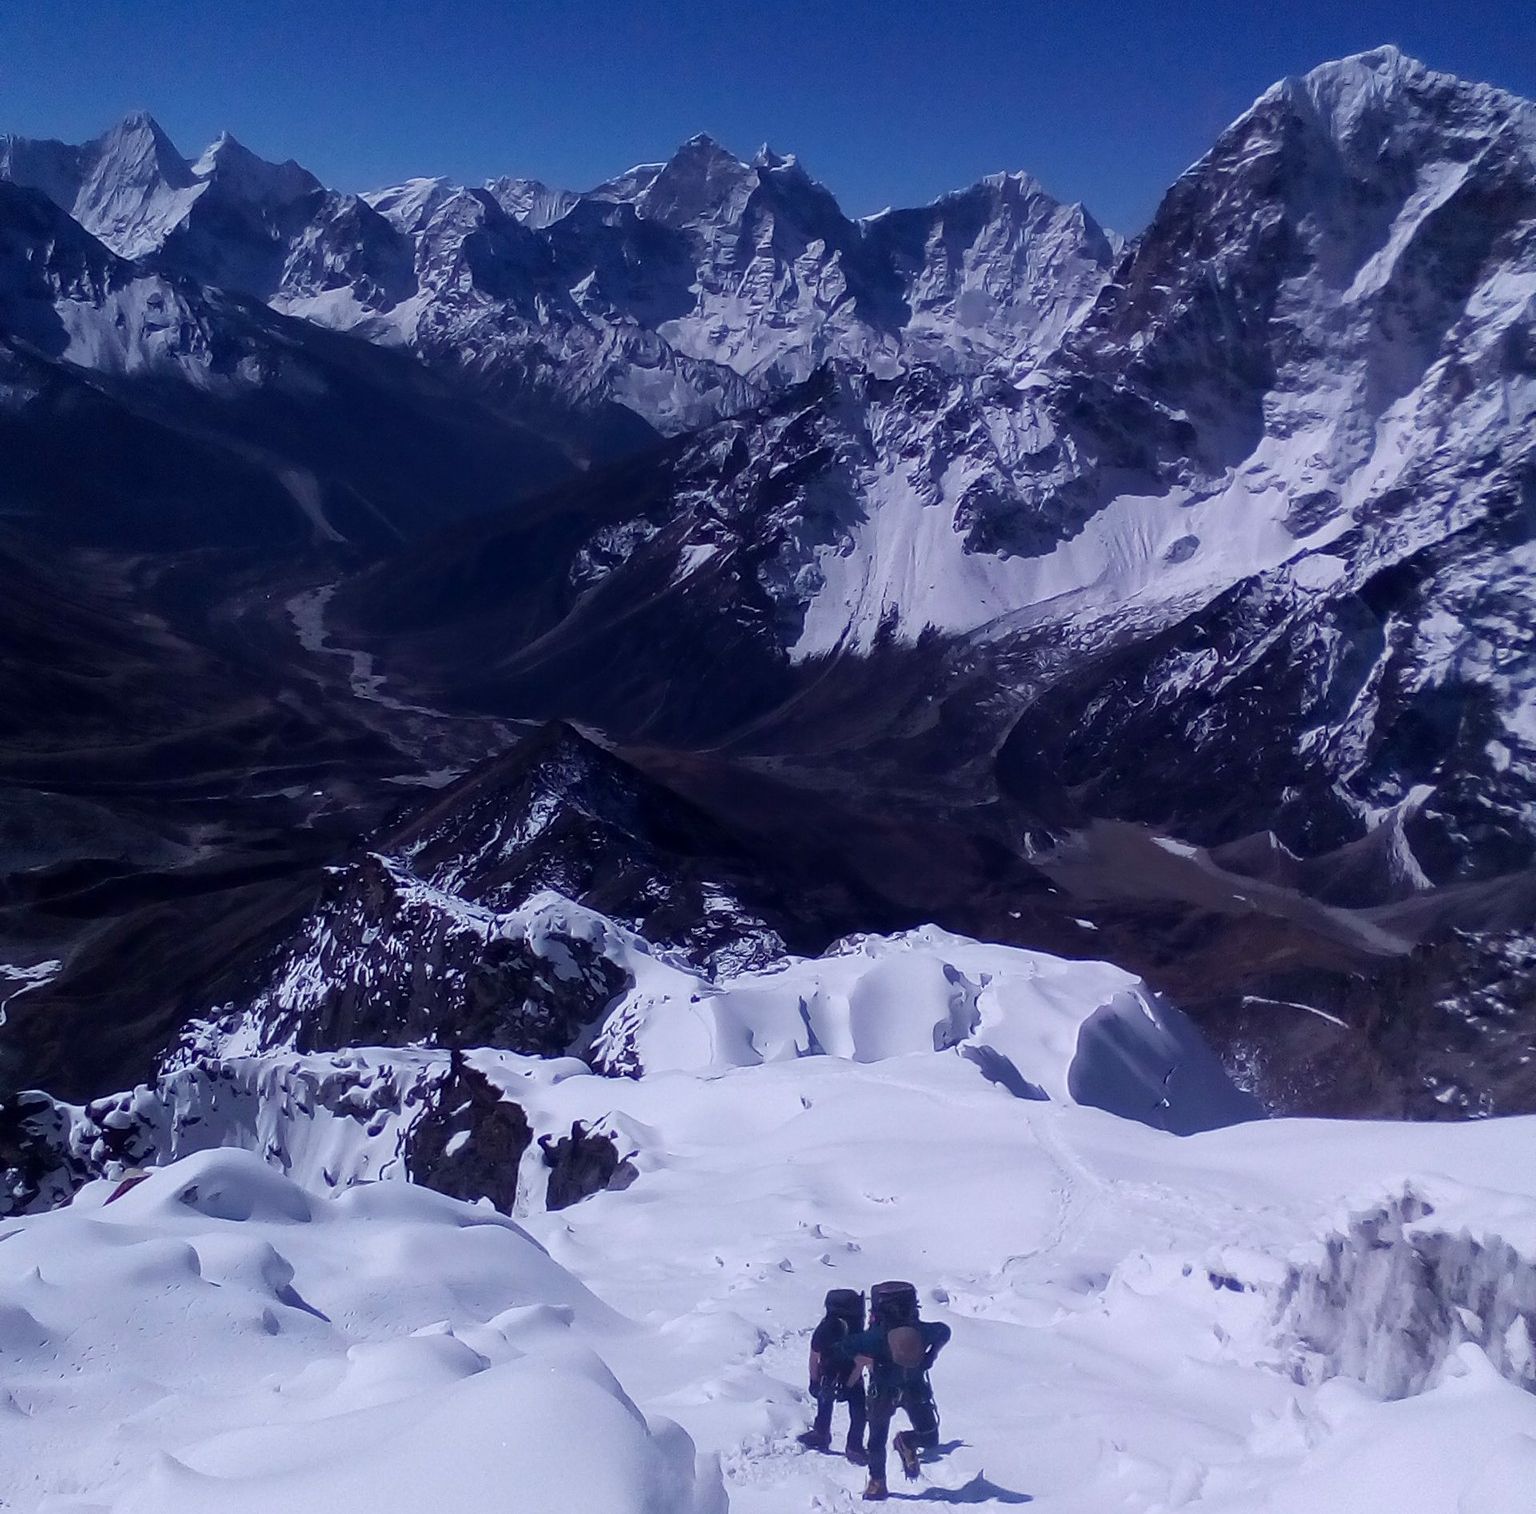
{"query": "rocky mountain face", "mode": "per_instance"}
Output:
(1170, 603)
(1265, 512)
(488, 917)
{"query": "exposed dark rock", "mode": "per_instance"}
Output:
(585, 1162)
(470, 1140)
(38, 1168)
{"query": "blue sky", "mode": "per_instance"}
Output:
(886, 101)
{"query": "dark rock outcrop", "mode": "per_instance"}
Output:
(469, 1140)
(585, 1162)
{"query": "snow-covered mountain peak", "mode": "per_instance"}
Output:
(1343, 81)
(137, 153)
(678, 291)
(135, 186)
(1013, 185)
(140, 139)
(703, 145)
(408, 206)
(701, 181)
(1385, 104)
(531, 201)
(1386, 82)
(785, 168)
(241, 172)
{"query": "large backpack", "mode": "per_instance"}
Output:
(893, 1309)
(847, 1305)
(892, 1303)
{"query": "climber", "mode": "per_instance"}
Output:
(829, 1374)
(897, 1350)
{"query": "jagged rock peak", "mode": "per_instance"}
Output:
(701, 180)
(139, 146)
(236, 167)
(531, 201)
(410, 205)
(1346, 91)
(704, 145)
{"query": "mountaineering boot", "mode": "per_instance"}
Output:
(906, 1448)
(815, 1440)
(876, 1491)
(855, 1453)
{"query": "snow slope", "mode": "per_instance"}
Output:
(377, 1350)
(1123, 1301)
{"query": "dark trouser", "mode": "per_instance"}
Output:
(918, 1402)
(853, 1395)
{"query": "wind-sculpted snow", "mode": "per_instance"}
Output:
(474, 1123)
(384, 1349)
(1118, 1298)
(1079, 1032)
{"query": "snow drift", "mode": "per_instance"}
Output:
(1116, 1294)
(1043, 1027)
(383, 1349)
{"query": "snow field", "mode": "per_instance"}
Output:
(219, 1339)
(1113, 1291)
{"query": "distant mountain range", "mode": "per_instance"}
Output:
(1171, 602)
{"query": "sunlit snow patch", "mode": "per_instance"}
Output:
(1044, 1027)
(384, 1349)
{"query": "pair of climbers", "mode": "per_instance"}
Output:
(895, 1351)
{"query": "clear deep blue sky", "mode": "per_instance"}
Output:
(886, 101)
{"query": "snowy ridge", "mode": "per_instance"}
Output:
(472, 921)
(1074, 1032)
(393, 955)
(1036, 1026)
(681, 291)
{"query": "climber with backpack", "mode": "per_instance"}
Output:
(896, 1351)
(829, 1374)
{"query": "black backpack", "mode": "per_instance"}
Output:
(847, 1306)
(892, 1303)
